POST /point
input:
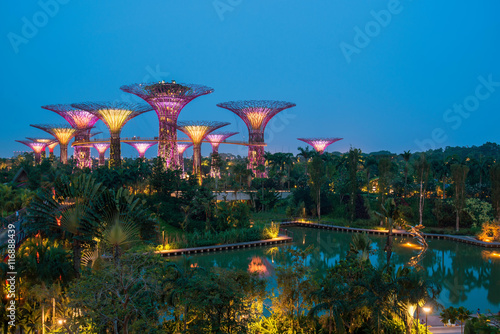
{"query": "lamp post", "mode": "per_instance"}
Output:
(426, 310)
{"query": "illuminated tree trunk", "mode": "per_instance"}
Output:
(37, 158)
(115, 151)
(197, 162)
(102, 158)
(64, 153)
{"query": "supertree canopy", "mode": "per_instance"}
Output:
(167, 99)
(215, 139)
(141, 147)
(181, 148)
(37, 148)
(115, 115)
(81, 120)
(196, 131)
(63, 133)
(101, 148)
(320, 144)
(256, 114)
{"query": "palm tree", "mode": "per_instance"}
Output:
(361, 246)
(306, 154)
(67, 209)
(329, 298)
(463, 316)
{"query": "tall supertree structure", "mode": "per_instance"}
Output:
(115, 115)
(101, 148)
(51, 144)
(167, 99)
(256, 114)
(320, 144)
(215, 139)
(181, 148)
(140, 146)
(196, 131)
(63, 133)
(83, 121)
(37, 148)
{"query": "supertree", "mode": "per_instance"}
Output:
(83, 121)
(196, 131)
(37, 148)
(215, 139)
(141, 147)
(63, 133)
(115, 115)
(167, 99)
(320, 144)
(256, 115)
(101, 148)
(181, 148)
(51, 143)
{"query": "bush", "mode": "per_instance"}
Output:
(489, 232)
(479, 211)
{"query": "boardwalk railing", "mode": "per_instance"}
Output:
(286, 232)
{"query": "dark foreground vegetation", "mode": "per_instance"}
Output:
(86, 262)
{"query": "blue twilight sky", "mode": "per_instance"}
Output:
(383, 74)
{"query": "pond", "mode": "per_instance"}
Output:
(469, 275)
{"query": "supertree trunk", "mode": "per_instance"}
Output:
(115, 150)
(167, 144)
(82, 154)
(197, 162)
(64, 153)
(181, 162)
(102, 158)
(37, 158)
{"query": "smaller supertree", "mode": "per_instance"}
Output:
(63, 133)
(215, 139)
(115, 115)
(197, 131)
(101, 148)
(82, 121)
(181, 148)
(141, 147)
(51, 143)
(320, 144)
(256, 114)
(37, 148)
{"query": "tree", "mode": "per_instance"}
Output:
(384, 179)
(422, 169)
(463, 316)
(459, 174)
(352, 166)
(120, 294)
(495, 190)
(406, 156)
(317, 178)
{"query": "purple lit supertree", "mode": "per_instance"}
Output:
(256, 115)
(141, 147)
(215, 139)
(101, 148)
(51, 143)
(63, 133)
(320, 144)
(167, 99)
(83, 121)
(37, 148)
(197, 131)
(181, 148)
(115, 115)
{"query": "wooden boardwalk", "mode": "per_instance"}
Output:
(217, 248)
(402, 233)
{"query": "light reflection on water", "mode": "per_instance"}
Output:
(469, 275)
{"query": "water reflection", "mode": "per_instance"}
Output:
(469, 275)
